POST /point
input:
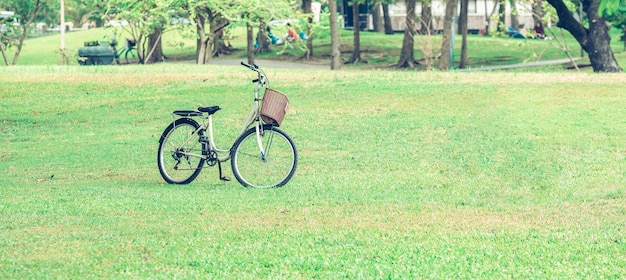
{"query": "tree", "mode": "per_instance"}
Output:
(214, 13)
(219, 14)
(80, 12)
(155, 49)
(427, 17)
(514, 14)
(387, 18)
(489, 16)
(617, 17)
(501, 16)
(463, 30)
(250, 44)
(445, 62)
(356, 50)
(377, 19)
(147, 20)
(27, 11)
(594, 39)
(262, 39)
(407, 56)
(537, 7)
(335, 53)
(255, 13)
(306, 9)
(260, 13)
(221, 44)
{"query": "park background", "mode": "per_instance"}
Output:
(402, 174)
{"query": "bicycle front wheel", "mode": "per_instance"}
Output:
(126, 55)
(179, 152)
(274, 169)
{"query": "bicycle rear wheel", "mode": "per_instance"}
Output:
(176, 165)
(274, 169)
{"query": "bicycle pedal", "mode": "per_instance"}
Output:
(225, 179)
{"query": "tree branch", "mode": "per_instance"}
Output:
(569, 23)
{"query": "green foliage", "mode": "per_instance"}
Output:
(142, 16)
(401, 176)
(24, 9)
(82, 11)
(26, 12)
(617, 16)
(610, 6)
(255, 10)
(379, 49)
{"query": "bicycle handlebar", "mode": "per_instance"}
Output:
(252, 67)
(255, 68)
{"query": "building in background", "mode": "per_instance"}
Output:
(478, 13)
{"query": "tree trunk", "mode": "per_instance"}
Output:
(356, 51)
(306, 8)
(444, 62)
(262, 39)
(202, 43)
(387, 19)
(501, 16)
(141, 48)
(488, 17)
(407, 56)
(538, 11)
(4, 54)
(594, 40)
(335, 54)
(515, 15)
(250, 40)
(218, 23)
(377, 19)
(20, 44)
(155, 50)
(25, 28)
(463, 31)
(426, 22)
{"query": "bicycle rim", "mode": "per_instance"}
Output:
(174, 165)
(275, 169)
(126, 56)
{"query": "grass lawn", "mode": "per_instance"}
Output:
(401, 175)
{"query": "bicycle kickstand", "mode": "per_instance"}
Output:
(222, 177)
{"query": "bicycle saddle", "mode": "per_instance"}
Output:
(210, 110)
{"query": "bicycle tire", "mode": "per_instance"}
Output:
(126, 56)
(279, 165)
(176, 168)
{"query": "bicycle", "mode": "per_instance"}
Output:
(262, 156)
(129, 48)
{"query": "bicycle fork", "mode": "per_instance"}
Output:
(260, 142)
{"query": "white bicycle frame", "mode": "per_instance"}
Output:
(253, 118)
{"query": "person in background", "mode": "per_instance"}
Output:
(539, 33)
(292, 35)
(522, 30)
(270, 35)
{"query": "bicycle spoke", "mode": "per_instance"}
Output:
(268, 144)
(252, 155)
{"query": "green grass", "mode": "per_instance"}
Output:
(379, 50)
(436, 175)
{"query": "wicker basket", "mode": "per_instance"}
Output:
(274, 107)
